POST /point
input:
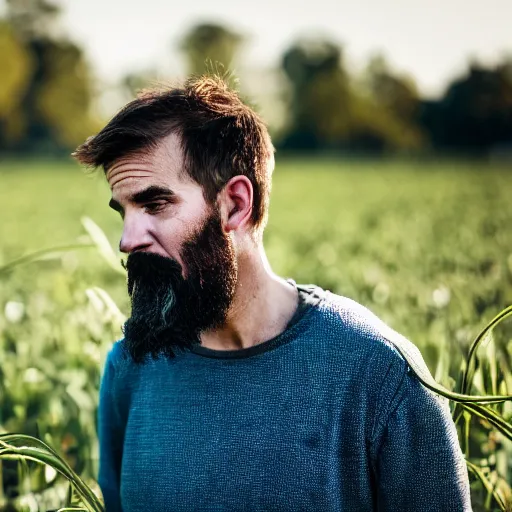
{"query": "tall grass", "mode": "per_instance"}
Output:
(427, 249)
(488, 409)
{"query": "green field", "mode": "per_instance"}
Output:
(428, 247)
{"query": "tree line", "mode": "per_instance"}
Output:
(48, 90)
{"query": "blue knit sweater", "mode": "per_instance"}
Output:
(324, 417)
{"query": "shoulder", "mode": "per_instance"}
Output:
(386, 358)
(352, 315)
(116, 353)
(358, 328)
(398, 359)
(120, 377)
(118, 361)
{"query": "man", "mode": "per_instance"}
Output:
(234, 389)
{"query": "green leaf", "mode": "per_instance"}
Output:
(414, 359)
(23, 447)
(52, 252)
(102, 244)
(489, 487)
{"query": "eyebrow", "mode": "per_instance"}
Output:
(144, 196)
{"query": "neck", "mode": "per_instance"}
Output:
(263, 305)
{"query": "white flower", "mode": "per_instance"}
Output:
(49, 473)
(14, 311)
(441, 296)
(33, 376)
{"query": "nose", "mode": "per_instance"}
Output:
(135, 236)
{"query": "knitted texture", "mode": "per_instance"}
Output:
(325, 417)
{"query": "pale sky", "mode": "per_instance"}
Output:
(430, 39)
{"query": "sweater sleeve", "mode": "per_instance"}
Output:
(420, 466)
(111, 435)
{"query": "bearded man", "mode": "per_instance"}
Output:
(234, 389)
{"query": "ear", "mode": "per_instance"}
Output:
(235, 202)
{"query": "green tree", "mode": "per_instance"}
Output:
(398, 93)
(330, 109)
(388, 108)
(16, 68)
(475, 113)
(34, 19)
(54, 104)
(65, 95)
(210, 44)
(320, 100)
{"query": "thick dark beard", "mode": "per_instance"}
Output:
(168, 311)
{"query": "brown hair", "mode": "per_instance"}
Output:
(221, 137)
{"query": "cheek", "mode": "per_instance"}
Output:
(170, 235)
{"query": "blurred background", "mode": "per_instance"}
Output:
(367, 77)
(393, 184)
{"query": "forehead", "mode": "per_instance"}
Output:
(162, 165)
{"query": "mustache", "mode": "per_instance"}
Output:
(153, 269)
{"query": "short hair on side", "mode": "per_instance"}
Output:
(221, 137)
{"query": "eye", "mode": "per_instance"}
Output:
(154, 207)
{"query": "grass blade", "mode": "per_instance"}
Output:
(37, 255)
(489, 487)
(36, 450)
(103, 245)
(500, 317)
